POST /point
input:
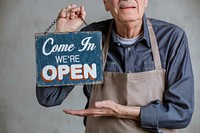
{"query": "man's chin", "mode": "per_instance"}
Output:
(124, 19)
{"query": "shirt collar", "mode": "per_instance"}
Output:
(145, 32)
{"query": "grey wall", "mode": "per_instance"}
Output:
(21, 19)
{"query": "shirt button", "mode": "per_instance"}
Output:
(118, 44)
(129, 49)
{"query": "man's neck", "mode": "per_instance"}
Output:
(129, 29)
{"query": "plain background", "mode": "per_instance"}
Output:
(21, 19)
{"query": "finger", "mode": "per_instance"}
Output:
(75, 10)
(104, 104)
(104, 112)
(66, 12)
(73, 6)
(70, 7)
(83, 13)
(62, 13)
(85, 112)
(74, 13)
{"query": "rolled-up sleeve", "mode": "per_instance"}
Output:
(176, 109)
(52, 96)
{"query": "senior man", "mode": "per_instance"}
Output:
(148, 79)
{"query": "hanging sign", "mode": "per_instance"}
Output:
(68, 58)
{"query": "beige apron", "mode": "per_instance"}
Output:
(131, 89)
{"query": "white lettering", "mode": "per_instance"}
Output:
(62, 71)
(52, 73)
(44, 46)
(87, 46)
(90, 72)
(76, 72)
(74, 58)
(61, 59)
(57, 47)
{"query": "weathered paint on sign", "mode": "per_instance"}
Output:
(68, 58)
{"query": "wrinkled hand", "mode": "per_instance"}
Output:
(102, 108)
(70, 18)
(107, 108)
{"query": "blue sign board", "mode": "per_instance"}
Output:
(68, 58)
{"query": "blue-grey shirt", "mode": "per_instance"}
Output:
(178, 99)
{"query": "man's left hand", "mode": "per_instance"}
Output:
(107, 108)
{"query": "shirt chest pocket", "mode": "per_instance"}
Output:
(149, 65)
(110, 66)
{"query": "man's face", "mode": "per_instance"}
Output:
(126, 10)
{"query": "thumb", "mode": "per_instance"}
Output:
(83, 13)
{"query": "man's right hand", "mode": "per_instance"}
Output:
(70, 18)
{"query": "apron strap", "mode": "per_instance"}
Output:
(154, 46)
(106, 45)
